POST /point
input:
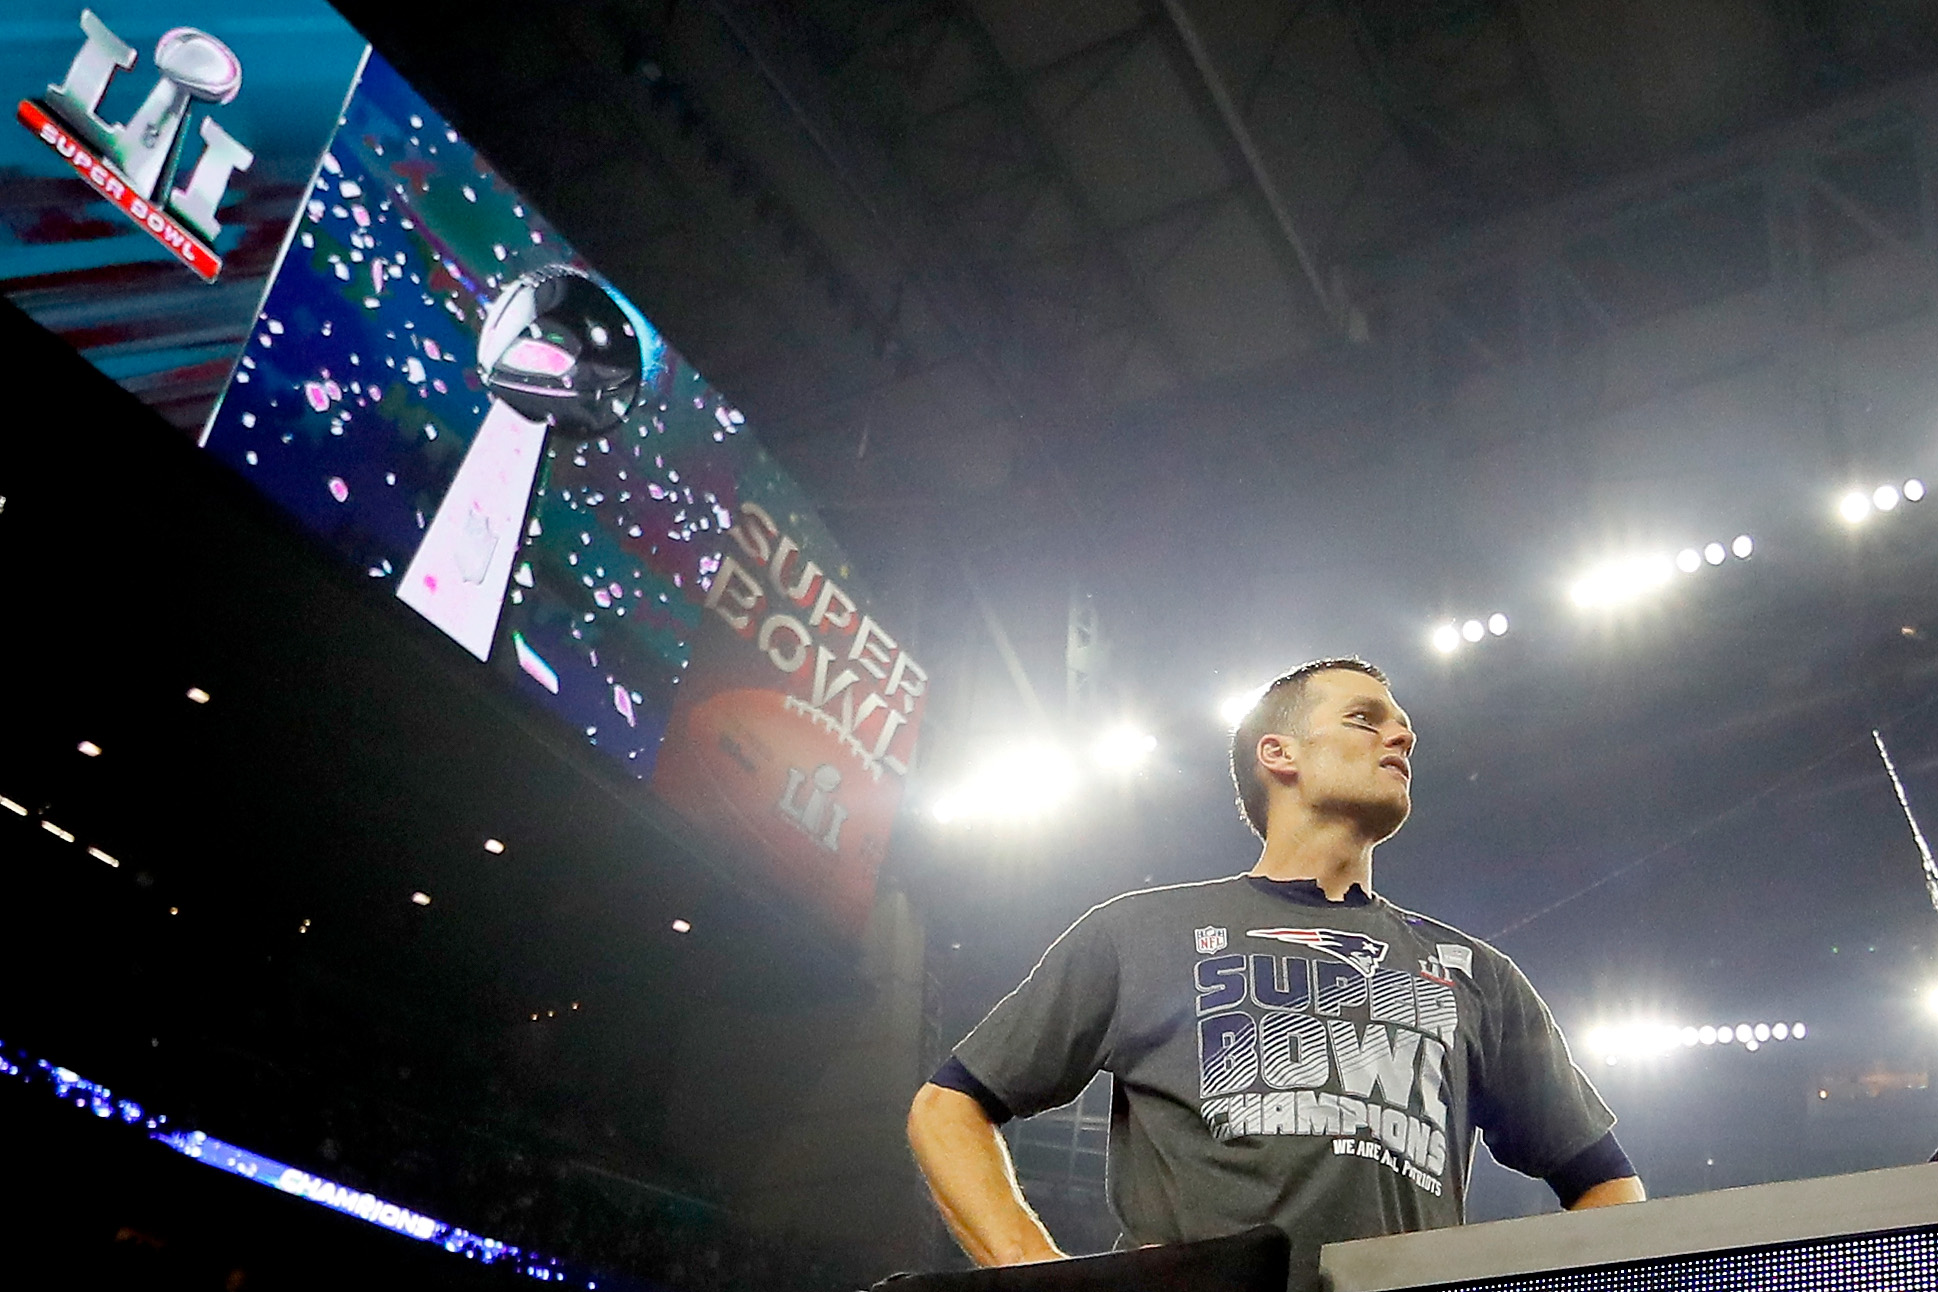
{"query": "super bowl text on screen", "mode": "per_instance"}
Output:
(133, 163)
(838, 698)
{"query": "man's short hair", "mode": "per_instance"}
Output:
(1281, 708)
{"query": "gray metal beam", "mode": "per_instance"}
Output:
(1232, 120)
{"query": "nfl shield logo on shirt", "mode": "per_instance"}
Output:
(1210, 940)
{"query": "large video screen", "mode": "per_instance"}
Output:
(440, 389)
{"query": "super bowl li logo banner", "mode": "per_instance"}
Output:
(796, 730)
(134, 163)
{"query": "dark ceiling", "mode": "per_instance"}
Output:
(939, 247)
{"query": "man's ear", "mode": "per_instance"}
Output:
(1276, 755)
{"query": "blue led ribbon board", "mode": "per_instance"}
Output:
(69, 1087)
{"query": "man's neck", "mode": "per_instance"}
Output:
(1333, 854)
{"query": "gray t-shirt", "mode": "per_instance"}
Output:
(1322, 1066)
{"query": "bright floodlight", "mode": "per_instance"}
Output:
(1689, 560)
(682, 926)
(1706, 1034)
(1714, 553)
(1122, 748)
(1742, 546)
(1781, 1031)
(1640, 1040)
(1446, 639)
(494, 846)
(1761, 1031)
(1015, 784)
(1614, 583)
(1914, 491)
(1233, 708)
(1473, 630)
(1796, 1031)
(1854, 507)
(1931, 998)
(421, 898)
(198, 695)
(89, 748)
(1744, 1032)
(1884, 497)
(1497, 624)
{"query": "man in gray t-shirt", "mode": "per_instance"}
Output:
(1285, 1046)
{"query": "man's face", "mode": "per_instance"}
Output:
(1352, 753)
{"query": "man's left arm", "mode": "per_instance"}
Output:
(1611, 1193)
(1598, 1176)
(1534, 1100)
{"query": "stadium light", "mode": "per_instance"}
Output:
(1640, 1040)
(1689, 560)
(1742, 545)
(1857, 505)
(1233, 708)
(1655, 1038)
(494, 846)
(421, 898)
(1122, 748)
(1019, 783)
(1447, 637)
(1620, 581)
(679, 926)
(89, 748)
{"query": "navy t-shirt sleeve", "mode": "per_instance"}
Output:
(953, 1076)
(1044, 1041)
(1599, 1163)
(1535, 1107)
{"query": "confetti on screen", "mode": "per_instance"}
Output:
(359, 394)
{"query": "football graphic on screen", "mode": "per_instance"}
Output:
(556, 347)
(767, 780)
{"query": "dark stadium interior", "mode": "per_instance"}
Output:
(1243, 334)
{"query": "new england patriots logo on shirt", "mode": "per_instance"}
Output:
(1356, 949)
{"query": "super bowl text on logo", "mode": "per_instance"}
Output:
(1210, 940)
(1332, 1043)
(133, 162)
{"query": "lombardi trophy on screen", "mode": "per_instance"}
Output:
(556, 352)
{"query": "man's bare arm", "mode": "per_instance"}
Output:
(1610, 1193)
(964, 1159)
